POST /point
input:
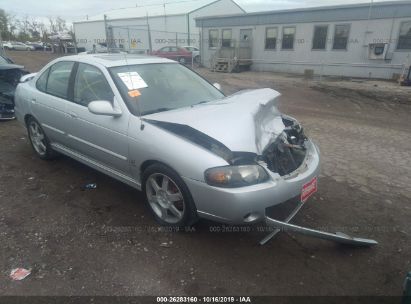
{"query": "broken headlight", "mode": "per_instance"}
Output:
(235, 176)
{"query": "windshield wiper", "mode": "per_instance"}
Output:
(156, 111)
(201, 102)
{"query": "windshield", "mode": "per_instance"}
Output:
(162, 87)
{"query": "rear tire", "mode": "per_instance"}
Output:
(168, 197)
(39, 141)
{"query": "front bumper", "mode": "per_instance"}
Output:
(249, 204)
(6, 111)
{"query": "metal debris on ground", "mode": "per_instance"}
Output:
(19, 274)
(90, 186)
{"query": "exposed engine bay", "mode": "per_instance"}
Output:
(287, 152)
(283, 156)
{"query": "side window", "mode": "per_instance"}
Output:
(41, 83)
(58, 80)
(90, 85)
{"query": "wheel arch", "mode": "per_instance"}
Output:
(150, 162)
(27, 117)
(146, 164)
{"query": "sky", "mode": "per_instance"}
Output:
(75, 10)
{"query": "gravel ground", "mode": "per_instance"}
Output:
(104, 242)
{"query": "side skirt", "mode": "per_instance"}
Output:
(97, 166)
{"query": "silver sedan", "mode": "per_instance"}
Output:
(161, 128)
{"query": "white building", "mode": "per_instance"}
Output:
(363, 40)
(166, 24)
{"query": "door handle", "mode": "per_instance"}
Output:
(33, 100)
(73, 115)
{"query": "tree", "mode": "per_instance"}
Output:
(61, 24)
(34, 28)
(4, 25)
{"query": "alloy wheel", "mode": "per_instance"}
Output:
(37, 138)
(165, 198)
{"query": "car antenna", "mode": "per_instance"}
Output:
(138, 104)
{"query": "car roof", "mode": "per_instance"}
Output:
(112, 60)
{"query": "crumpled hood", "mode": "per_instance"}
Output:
(247, 121)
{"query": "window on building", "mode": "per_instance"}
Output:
(213, 38)
(226, 38)
(320, 37)
(288, 38)
(271, 34)
(404, 39)
(341, 33)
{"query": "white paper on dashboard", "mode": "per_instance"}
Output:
(132, 80)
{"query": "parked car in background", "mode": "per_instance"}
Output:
(7, 45)
(163, 129)
(10, 75)
(176, 53)
(47, 46)
(195, 51)
(18, 46)
(38, 46)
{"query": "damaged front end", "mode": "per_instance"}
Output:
(269, 161)
(287, 153)
(10, 75)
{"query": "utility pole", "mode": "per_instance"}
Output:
(106, 32)
(1, 45)
(150, 46)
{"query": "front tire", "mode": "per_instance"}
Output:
(39, 141)
(168, 197)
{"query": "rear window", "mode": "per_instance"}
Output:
(58, 80)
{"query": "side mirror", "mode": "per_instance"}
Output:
(103, 107)
(27, 77)
(217, 86)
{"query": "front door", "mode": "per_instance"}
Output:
(246, 37)
(100, 138)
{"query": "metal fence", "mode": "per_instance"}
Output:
(141, 39)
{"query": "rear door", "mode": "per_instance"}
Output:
(49, 102)
(100, 138)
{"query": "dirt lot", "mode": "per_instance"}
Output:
(104, 242)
